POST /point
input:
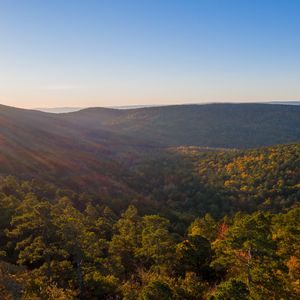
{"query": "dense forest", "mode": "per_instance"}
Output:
(196, 223)
(211, 125)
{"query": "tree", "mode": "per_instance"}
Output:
(35, 234)
(249, 253)
(126, 241)
(100, 286)
(206, 227)
(77, 239)
(8, 206)
(157, 243)
(194, 254)
(231, 290)
(156, 290)
(192, 287)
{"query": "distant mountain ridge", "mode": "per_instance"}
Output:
(58, 110)
(98, 143)
(211, 125)
(286, 102)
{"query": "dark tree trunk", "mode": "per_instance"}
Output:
(249, 267)
(79, 275)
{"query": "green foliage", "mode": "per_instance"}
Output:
(193, 254)
(231, 290)
(265, 179)
(204, 225)
(192, 287)
(157, 244)
(126, 241)
(190, 182)
(248, 251)
(101, 286)
(156, 290)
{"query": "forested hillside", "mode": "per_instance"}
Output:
(196, 180)
(211, 125)
(98, 143)
(201, 224)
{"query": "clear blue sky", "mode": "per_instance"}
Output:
(122, 52)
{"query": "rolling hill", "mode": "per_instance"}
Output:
(109, 186)
(100, 143)
(212, 125)
(39, 145)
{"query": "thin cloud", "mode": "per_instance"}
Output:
(61, 87)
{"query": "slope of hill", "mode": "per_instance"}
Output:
(212, 125)
(39, 145)
(101, 143)
(58, 243)
(129, 217)
(189, 181)
(266, 178)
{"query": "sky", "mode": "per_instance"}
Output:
(79, 53)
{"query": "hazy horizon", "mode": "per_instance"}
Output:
(60, 109)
